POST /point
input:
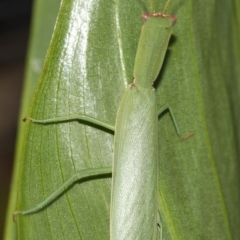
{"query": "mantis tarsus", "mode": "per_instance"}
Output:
(135, 165)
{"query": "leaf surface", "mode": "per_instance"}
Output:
(88, 65)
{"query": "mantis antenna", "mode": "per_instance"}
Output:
(165, 7)
(152, 5)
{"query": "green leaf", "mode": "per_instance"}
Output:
(88, 65)
(44, 18)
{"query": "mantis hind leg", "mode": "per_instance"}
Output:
(76, 177)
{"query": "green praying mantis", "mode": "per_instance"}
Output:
(135, 165)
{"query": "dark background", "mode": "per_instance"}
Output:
(15, 18)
